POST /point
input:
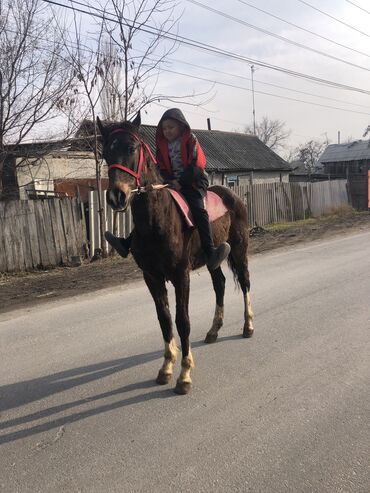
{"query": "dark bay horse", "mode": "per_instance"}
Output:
(165, 248)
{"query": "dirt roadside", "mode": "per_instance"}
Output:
(31, 288)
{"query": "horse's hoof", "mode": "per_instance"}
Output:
(163, 378)
(248, 332)
(182, 388)
(210, 337)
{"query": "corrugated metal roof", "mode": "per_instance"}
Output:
(225, 151)
(359, 149)
(229, 151)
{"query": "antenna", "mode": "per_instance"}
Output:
(254, 107)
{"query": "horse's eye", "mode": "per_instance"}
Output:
(131, 149)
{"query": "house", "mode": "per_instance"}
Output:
(234, 158)
(350, 161)
(68, 167)
(300, 172)
(49, 169)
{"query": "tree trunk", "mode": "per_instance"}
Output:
(9, 180)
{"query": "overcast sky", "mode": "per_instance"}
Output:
(231, 107)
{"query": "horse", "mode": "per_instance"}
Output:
(165, 248)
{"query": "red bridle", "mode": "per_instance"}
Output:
(143, 145)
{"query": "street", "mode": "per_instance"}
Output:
(287, 410)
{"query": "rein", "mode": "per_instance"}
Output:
(136, 174)
(149, 188)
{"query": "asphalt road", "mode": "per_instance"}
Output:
(288, 410)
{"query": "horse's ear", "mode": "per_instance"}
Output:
(101, 126)
(137, 120)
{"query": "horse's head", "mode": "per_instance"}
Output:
(123, 152)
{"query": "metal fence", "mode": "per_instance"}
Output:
(266, 202)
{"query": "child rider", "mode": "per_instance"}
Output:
(182, 162)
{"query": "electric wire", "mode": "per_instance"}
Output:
(265, 93)
(303, 28)
(274, 35)
(358, 6)
(266, 83)
(332, 17)
(210, 48)
(87, 49)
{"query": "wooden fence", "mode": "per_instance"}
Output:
(124, 221)
(269, 203)
(40, 233)
(266, 202)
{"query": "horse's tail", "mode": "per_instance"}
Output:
(238, 235)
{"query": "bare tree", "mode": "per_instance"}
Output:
(138, 30)
(111, 84)
(310, 152)
(273, 133)
(117, 72)
(35, 78)
(91, 66)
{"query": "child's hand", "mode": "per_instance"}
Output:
(187, 176)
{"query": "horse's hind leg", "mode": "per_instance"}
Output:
(218, 280)
(243, 277)
(181, 283)
(239, 264)
(157, 288)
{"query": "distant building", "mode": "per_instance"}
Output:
(235, 158)
(68, 167)
(301, 173)
(351, 161)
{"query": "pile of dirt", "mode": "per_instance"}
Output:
(27, 289)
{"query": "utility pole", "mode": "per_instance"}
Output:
(254, 108)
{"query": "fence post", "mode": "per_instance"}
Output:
(252, 199)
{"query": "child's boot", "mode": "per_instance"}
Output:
(121, 245)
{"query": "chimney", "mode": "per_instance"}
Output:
(209, 124)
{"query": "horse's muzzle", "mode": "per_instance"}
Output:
(117, 199)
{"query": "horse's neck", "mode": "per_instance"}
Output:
(152, 213)
(150, 175)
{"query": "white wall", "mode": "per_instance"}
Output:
(244, 178)
(52, 167)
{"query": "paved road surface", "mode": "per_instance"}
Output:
(287, 410)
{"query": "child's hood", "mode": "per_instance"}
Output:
(174, 114)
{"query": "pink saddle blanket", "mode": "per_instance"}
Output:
(213, 203)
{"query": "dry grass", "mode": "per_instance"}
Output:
(344, 212)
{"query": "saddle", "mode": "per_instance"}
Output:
(213, 204)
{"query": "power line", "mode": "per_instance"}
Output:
(265, 93)
(303, 28)
(267, 83)
(221, 119)
(334, 18)
(355, 5)
(274, 35)
(87, 49)
(211, 48)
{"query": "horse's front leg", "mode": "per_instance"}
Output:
(157, 288)
(182, 284)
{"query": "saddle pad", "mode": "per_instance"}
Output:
(213, 204)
